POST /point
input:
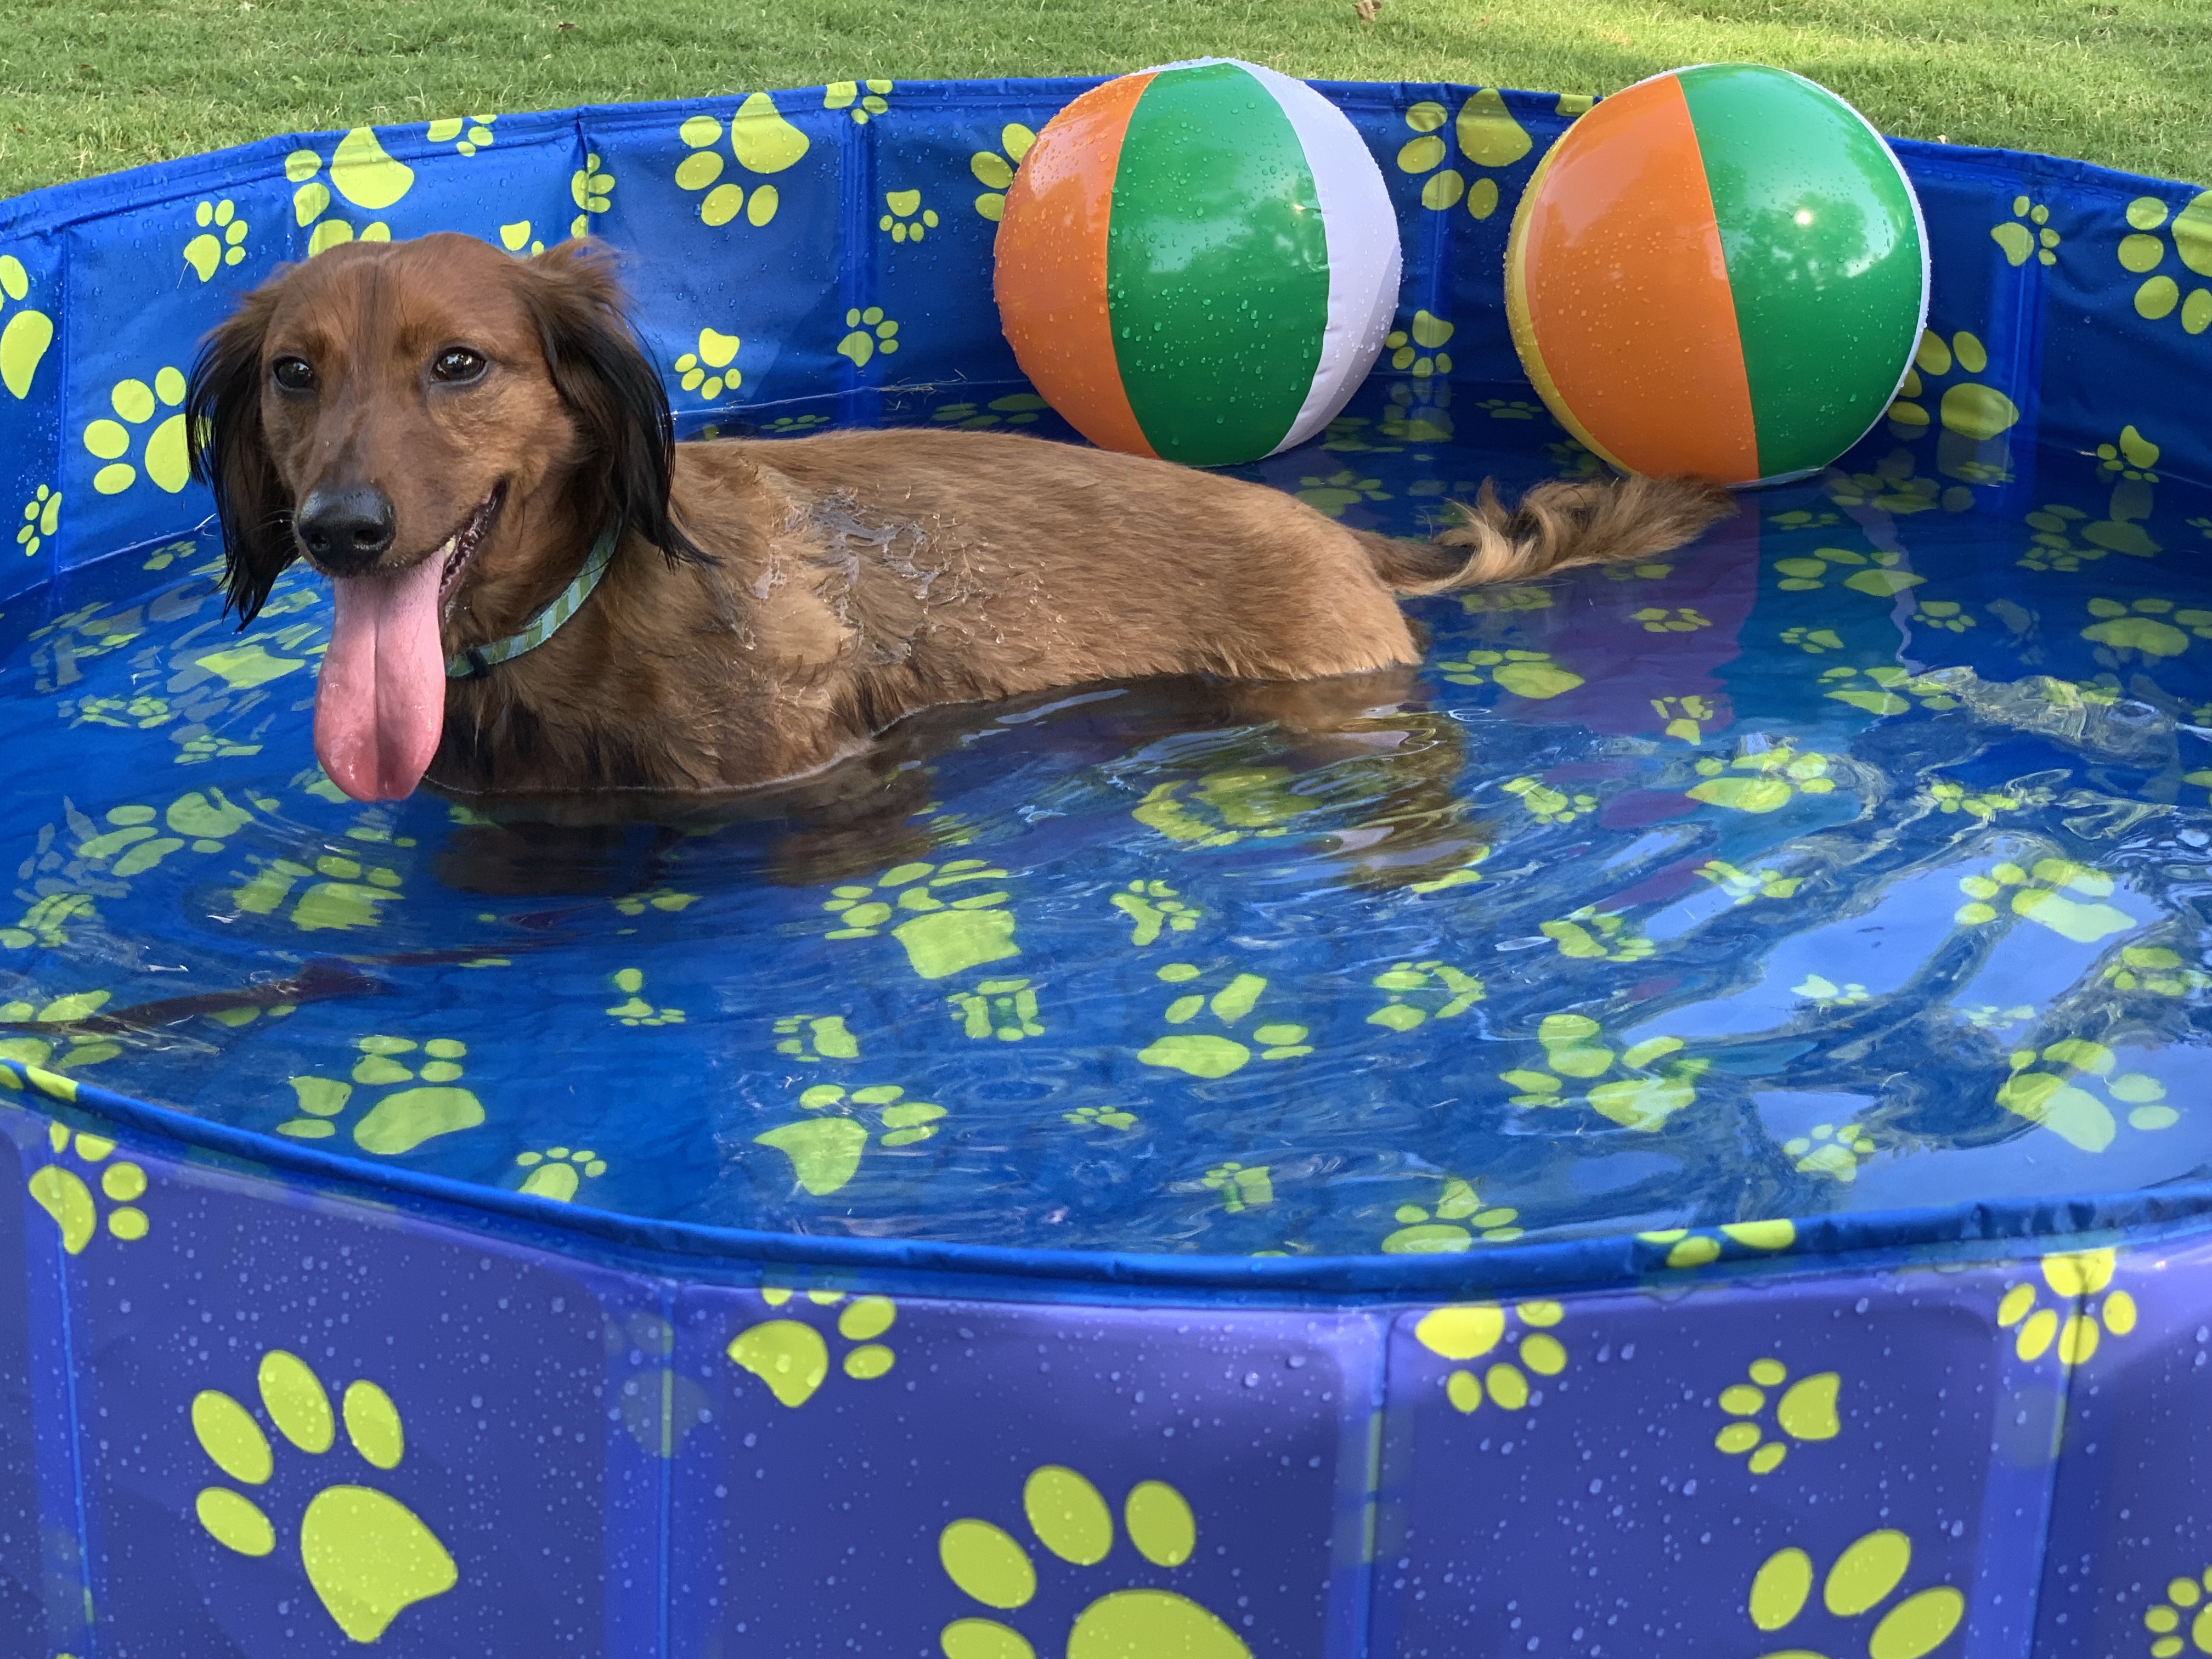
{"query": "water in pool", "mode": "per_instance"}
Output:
(1853, 859)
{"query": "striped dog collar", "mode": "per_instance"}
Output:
(480, 659)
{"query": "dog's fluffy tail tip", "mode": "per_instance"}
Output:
(1561, 524)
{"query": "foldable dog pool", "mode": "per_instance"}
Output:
(1679, 1129)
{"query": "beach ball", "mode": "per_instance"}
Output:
(1721, 272)
(1198, 262)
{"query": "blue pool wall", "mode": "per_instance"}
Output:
(1989, 1418)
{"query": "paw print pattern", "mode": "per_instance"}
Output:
(360, 174)
(163, 455)
(1472, 1330)
(146, 714)
(399, 1122)
(348, 898)
(1070, 1517)
(1419, 992)
(62, 1194)
(1516, 409)
(1644, 1097)
(37, 1051)
(1242, 1186)
(762, 142)
(2142, 252)
(1873, 573)
(1813, 641)
(591, 187)
(1889, 690)
(1945, 614)
(1419, 412)
(994, 169)
(1826, 993)
(1971, 409)
(1331, 493)
(2056, 525)
(812, 1038)
(2045, 1088)
(664, 899)
(825, 1150)
(1833, 1150)
(1504, 600)
(945, 932)
(2076, 1277)
(1530, 674)
(2132, 457)
(2154, 968)
(792, 1356)
(1459, 1217)
(2145, 628)
(1863, 1576)
(1894, 486)
(369, 1557)
(1685, 717)
(221, 240)
(1417, 348)
(1210, 1055)
(901, 221)
(1800, 518)
(1762, 780)
(1744, 886)
(1153, 908)
(1488, 137)
(2027, 232)
(516, 239)
(1590, 934)
(47, 922)
(1806, 1411)
(634, 1010)
(1658, 619)
(558, 1171)
(1686, 1249)
(710, 369)
(871, 332)
(2163, 1618)
(1109, 1117)
(861, 99)
(1222, 808)
(467, 134)
(2040, 896)
(137, 838)
(42, 517)
(1019, 409)
(1002, 1008)
(1547, 804)
(25, 335)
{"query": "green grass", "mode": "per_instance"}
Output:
(85, 91)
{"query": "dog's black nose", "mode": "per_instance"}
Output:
(346, 529)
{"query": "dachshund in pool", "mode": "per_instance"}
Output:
(449, 435)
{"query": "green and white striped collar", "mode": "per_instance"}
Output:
(480, 659)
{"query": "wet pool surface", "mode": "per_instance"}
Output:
(1853, 860)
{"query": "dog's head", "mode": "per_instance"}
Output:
(429, 424)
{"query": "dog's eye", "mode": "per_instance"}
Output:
(458, 365)
(293, 373)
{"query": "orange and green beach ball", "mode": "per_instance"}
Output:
(1721, 272)
(1198, 262)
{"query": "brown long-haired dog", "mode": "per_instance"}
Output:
(445, 432)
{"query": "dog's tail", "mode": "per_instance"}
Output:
(1555, 526)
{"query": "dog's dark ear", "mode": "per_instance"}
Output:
(230, 454)
(610, 386)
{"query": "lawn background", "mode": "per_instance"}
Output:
(85, 90)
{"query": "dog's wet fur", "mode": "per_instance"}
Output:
(772, 606)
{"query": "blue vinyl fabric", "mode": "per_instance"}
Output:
(1825, 1277)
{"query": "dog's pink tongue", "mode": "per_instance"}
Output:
(381, 698)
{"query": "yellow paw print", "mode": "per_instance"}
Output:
(811, 1038)
(1686, 1249)
(516, 239)
(790, 1356)
(47, 923)
(165, 454)
(861, 99)
(1813, 641)
(1512, 409)
(349, 896)
(42, 516)
(591, 187)
(900, 222)
(1547, 804)
(146, 714)
(1019, 409)
(369, 1557)
(825, 1150)
(1889, 690)
(667, 900)
(2075, 1277)
(1224, 807)
(1072, 1519)
(1002, 1008)
(996, 171)
(1744, 886)
(1334, 493)
(2146, 628)
(1863, 1576)
(2040, 894)
(1209, 1055)
(1524, 673)
(1573, 1049)
(2163, 1618)
(761, 140)
(400, 1122)
(28, 332)
(2142, 252)
(1109, 1117)
(558, 1171)
(1416, 347)
(2156, 970)
(1946, 797)
(1871, 574)
(1488, 137)
(1417, 412)
(1971, 409)
(634, 1010)
(1656, 619)
(36, 1052)
(871, 332)
(1595, 935)
(1776, 776)
(2054, 1098)
(1503, 600)
(61, 1192)
(2132, 456)
(1421, 991)
(1800, 518)
(1242, 1186)
(1153, 908)
(1457, 1218)
(1894, 486)
(709, 370)
(1806, 1411)
(2053, 547)
(1685, 716)
(2027, 232)
(137, 838)
(467, 134)
(941, 935)
(1833, 1150)
(360, 174)
(221, 240)
(1470, 1330)
(1945, 614)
